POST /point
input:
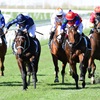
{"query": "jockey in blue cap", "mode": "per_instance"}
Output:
(25, 23)
(2, 24)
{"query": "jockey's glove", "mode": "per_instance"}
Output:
(25, 30)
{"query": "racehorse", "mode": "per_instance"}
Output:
(27, 55)
(3, 50)
(57, 52)
(76, 51)
(95, 53)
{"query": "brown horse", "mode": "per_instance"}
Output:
(58, 53)
(3, 50)
(95, 52)
(76, 51)
(27, 55)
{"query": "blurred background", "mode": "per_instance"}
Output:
(41, 11)
(49, 4)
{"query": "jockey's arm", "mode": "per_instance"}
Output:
(9, 24)
(64, 25)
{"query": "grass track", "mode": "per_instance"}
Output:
(11, 83)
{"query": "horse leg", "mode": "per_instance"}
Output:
(63, 71)
(34, 76)
(83, 69)
(2, 66)
(89, 67)
(29, 73)
(55, 62)
(24, 74)
(93, 72)
(74, 74)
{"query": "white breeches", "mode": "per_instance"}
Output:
(32, 30)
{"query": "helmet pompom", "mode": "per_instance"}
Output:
(70, 15)
(59, 11)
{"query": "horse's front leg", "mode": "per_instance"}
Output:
(24, 75)
(74, 73)
(1, 66)
(55, 62)
(93, 73)
(34, 76)
(63, 71)
(22, 67)
(90, 63)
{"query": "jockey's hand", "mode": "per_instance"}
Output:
(75, 26)
(5, 30)
(25, 30)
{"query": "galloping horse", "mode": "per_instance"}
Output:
(58, 53)
(76, 51)
(95, 52)
(3, 50)
(27, 55)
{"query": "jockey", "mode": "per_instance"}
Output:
(72, 19)
(58, 16)
(2, 24)
(93, 16)
(25, 23)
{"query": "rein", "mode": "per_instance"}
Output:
(24, 48)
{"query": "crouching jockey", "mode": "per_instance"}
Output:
(2, 24)
(58, 16)
(73, 19)
(93, 16)
(24, 23)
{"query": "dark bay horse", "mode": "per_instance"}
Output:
(58, 53)
(76, 51)
(3, 50)
(95, 52)
(27, 56)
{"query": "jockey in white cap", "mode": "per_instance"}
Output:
(58, 16)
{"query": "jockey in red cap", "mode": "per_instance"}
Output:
(73, 19)
(93, 16)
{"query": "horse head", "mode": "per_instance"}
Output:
(97, 21)
(58, 32)
(73, 36)
(21, 42)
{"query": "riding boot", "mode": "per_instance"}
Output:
(4, 38)
(51, 37)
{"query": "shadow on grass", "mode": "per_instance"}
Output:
(72, 86)
(13, 83)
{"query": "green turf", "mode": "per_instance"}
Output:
(11, 83)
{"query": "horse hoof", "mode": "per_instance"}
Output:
(92, 80)
(56, 80)
(83, 85)
(2, 74)
(89, 76)
(81, 79)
